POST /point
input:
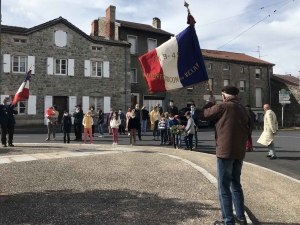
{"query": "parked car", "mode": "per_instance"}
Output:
(181, 112)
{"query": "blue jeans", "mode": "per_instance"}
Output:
(144, 126)
(156, 131)
(100, 128)
(196, 138)
(229, 174)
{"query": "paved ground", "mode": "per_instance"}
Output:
(105, 184)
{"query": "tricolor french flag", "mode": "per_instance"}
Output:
(175, 64)
(23, 92)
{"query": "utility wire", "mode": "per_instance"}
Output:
(240, 14)
(254, 25)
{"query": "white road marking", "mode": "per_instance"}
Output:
(23, 158)
(5, 160)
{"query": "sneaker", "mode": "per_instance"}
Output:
(113, 143)
(11, 145)
(4, 145)
(128, 134)
(116, 143)
(194, 148)
(268, 156)
(153, 139)
(54, 139)
(47, 139)
(273, 157)
(241, 222)
(92, 143)
(100, 136)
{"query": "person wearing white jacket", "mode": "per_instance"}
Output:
(270, 129)
(190, 131)
(115, 122)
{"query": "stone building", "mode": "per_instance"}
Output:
(143, 38)
(291, 112)
(249, 74)
(68, 67)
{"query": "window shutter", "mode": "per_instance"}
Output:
(70, 67)
(48, 103)
(2, 98)
(258, 97)
(87, 68)
(132, 41)
(226, 83)
(50, 66)
(31, 63)
(106, 107)
(105, 69)
(85, 103)
(6, 63)
(31, 105)
(72, 104)
(63, 38)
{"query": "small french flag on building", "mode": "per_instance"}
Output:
(175, 64)
(23, 92)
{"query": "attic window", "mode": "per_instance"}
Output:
(19, 40)
(96, 48)
(60, 38)
(226, 67)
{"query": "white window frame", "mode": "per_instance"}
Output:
(148, 43)
(19, 107)
(226, 81)
(191, 88)
(100, 62)
(258, 73)
(242, 70)
(209, 66)
(242, 85)
(20, 40)
(131, 80)
(211, 82)
(12, 64)
(226, 67)
(60, 69)
(96, 48)
(132, 52)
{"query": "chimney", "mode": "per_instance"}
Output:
(110, 22)
(156, 23)
(94, 28)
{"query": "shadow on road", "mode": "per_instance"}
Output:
(100, 207)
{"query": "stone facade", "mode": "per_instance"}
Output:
(40, 43)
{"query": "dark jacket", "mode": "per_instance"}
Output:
(173, 122)
(133, 123)
(145, 114)
(231, 128)
(7, 117)
(78, 116)
(195, 116)
(66, 124)
(172, 109)
(252, 117)
(137, 114)
(100, 118)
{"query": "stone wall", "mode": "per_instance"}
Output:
(41, 45)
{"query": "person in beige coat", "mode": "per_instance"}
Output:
(270, 129)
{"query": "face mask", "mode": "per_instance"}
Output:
(88, 115)
(192, 109)
(187, 117)
(137, 107)
(92, 109)
(120, 112)
(171, 104)
(66, 114)
(7, 103)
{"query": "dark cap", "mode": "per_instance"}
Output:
(187, 113)
(231, 90)
(78, 106)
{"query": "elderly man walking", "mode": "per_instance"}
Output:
(232, 130)
(270, 129)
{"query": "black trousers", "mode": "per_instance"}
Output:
(121, 129)
(66, 134)
(7, 130)
(78, 130)
(140, 131)
(93, 129)
(189, 141)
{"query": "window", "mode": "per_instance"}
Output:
(242, 86)
(152, 44)
(20, 40)
(226, 67)
(96, 69)
(19, 64)
(211, 82)
(258, 97)
(60, 38)
(226, 83)
(21, 107)
(210, 66)
(190, 88)
(96, 48)
(133, 76)
(258, 73)
(133, 41)
(242, 69)
(61, 67)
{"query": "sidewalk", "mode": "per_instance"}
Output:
(270, 198)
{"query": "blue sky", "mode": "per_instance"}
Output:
(278, 35)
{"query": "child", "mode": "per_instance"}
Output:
(88, 123)
(133, 125)
(115, 122)
(163, 126)
(180, 128)
(173, 122)
(66, 124)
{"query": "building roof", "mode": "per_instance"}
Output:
(234, 56)
(140, 26)
(27, 31)
(287, 79)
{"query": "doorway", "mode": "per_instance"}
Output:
(61, 103)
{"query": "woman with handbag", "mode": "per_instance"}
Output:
(100, 123)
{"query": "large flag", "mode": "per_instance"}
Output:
(175, 64)
(23, 92)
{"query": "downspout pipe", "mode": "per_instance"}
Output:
(125, 52)
(269, 77)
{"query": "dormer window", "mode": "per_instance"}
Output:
(96, 48)
(60, 38)
(16, 40)
(226, 67)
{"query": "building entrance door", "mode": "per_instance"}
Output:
(61, 103)
(133, 101)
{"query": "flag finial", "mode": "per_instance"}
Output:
(190, 18)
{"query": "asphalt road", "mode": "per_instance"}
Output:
(286, 143)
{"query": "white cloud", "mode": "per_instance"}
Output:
(277, 36)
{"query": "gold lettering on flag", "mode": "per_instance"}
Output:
(192, 70)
